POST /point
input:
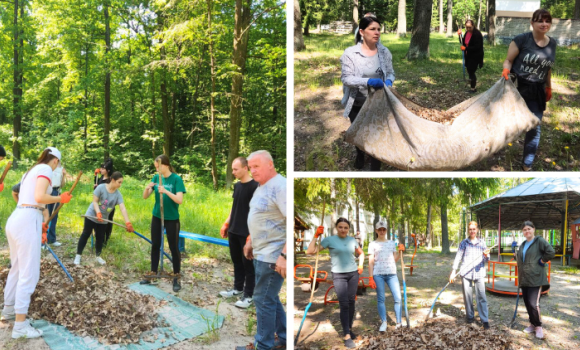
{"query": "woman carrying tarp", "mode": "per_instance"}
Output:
(383, 257)
(26, 231)
(365, 65)
(532, 256)
(105, 198)
(472, 46)
(531, 57)
(172, 191)
(345, 273)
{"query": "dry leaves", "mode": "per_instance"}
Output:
(429, 106)
(439, 334)
(95, 305)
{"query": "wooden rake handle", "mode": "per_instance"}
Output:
(8, 166)
(55, 211)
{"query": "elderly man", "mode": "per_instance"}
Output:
(235, 229)
(266, 245)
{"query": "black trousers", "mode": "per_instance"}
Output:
(375, 163)
(109, 227)
(243, 268)
(172, 229)
(345, 285)
(88, 228)
(472, 77)
(531, 297)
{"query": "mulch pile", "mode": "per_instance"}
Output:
(439, 334)
(96, 305)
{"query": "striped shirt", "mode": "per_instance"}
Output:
(471, 254)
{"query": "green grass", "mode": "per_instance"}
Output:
(318, 68)
(203, 211)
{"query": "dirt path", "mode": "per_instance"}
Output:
(202, 279)
(560, 310)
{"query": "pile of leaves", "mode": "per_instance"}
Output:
(439, 334)
(434, 115)
(431, 105)
(95, 305)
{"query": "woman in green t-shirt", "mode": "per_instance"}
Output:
(345, 272)
(172, 190)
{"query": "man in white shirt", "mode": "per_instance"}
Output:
(58, 179)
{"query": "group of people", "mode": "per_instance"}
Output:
(256, 230)
(530, 57)
(472, 254)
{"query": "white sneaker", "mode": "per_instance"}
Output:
(26, 331)
(77, 260)
(56, 244)
(399, 325)
(244, 303)
(383, 327)
(230, 293)
(100, 260)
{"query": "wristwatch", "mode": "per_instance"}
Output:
(284, 256)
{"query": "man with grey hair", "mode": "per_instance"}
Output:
(266, 245)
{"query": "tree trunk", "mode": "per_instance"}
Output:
(491, 22)
(298, 38)
(449, 18)
(375, 220)
(441, 26)
(357, 217)
(107, 81)
(212, 98)
(429, 208)
(243, 17)
(577, 10)
(194, 102)
(167, 125)
(479, 16)
(16, 89)
(402, 232)
(86, 98)
(355, 16)
(419, 47)
(402, 19)
(444, 229)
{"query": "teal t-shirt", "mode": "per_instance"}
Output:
(341, 253)
(173, 184)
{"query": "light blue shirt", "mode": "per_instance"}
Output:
(526, 245)
(341, 253)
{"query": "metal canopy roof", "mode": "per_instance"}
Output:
(541, 200)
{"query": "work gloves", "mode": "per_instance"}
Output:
(1, 187)
(129, 226)
(462, 48)
(224, 230)
(376, 83)
(389, 83)
(548, 98)
(505, 73)
(44, 231)
(541, 263)
(97, 172)
(100, 216)
(360, 269)
(459, 32)
(65, 197)
(319, 232)
(372, 283)
(401, 247)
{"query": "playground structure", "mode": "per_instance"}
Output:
(550, 203)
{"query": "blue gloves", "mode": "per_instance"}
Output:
(389, 83)
(376, 83)
(540, 263)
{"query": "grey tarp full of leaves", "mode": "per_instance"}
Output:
(387, 130)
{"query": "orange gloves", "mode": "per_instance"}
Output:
(462, 48)
(100, 216)
(224, 230)
(44, 231)
(65, 197)
(360, 269)
(401, 247)
(97, 171)
(459, 32)
(505, 73)
(372, 283)
(319, 232)
(548, 98)
(129, 226)
(1, 187)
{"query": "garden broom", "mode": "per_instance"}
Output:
(313, 281)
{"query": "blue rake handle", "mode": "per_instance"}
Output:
(435, 301)
(516, 310)
(405, 296)
(302, 323)
(59, 262)
(148, 240)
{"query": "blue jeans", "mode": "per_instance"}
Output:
(51, 234)
(181, 244)
(532, 140)
(393, 282)
(269, 310)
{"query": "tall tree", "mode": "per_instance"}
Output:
(298, 38)
(242, 18)
(212, 96)
(441, 26)
(577, 10)
(491, 22)
(449, 18)
(355, 15)
(402, 19)
(419, 47)
(107, 111)
(479, 16)
(17, 90)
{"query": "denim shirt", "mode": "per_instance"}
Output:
(351, 76)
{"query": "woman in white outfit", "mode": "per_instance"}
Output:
(26, 232)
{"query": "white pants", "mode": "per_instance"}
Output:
(24, 233)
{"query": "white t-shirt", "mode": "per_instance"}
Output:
(384, 259)
(28, 184)
(57, 176)
(267, 219)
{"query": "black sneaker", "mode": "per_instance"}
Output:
(485, 325)
(349, 343)
(176, 285)
(470, 320)
(352, 335)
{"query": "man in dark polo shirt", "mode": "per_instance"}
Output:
(236, 229)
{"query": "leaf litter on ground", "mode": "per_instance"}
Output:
(95, 305)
